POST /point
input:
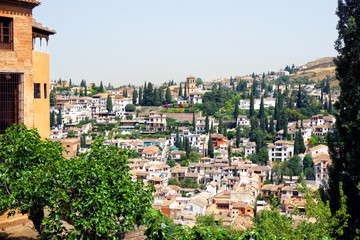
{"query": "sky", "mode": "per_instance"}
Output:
(133, 41)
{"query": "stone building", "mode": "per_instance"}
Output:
(24, 73)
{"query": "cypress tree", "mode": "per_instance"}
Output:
(345, 152)
(207, 127)
(85, 92)
(168, 95)
(185, 94)
(52, 118)
(101, 89)
(59, 118)
(272, 130)
(236, 112)
(330, 104)
(180, 90)
(302, 147)
(296, 144)
(285, 133)
(261, 113)
(109, 105)
(238, 136)
(134, 97)
(326, 105)
(322, 96)
(144, 97)
(252, 109)
(299, 105)
(177, 139)
(187, 147)
(212, 128)
(194, 121)
(156, 99)
(140, 97)
(210, 147)
(161, 96)
(220, 130)
(181, 144)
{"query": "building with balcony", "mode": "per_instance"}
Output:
(281, 150)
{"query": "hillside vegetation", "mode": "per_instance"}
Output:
(317, 70)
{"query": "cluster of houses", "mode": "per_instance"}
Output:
(228, 187)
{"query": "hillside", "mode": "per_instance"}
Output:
(317, 70)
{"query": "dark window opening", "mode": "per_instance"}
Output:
(45, 91)
(10, 100)
(37, 90)
(6, 33)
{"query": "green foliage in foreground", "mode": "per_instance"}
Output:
(93, 192)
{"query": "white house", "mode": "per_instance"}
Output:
(281, 150)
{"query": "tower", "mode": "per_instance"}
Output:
(190, 83)
(24, 73)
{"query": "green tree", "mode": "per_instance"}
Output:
(59, 117)
(220, 128)
(97, 196)
(302, 147)
(101, 88)
(237, 111)
(258, 136)
(210, 147)
(207, 127)
(140, 97)
(272, 129)
(330, 104)
(109, 105)
(296, 144)
(134, 97)
(345, 146)
(262, 111)
(294, 164)
(130, 108)
(194, 121)
(52, 98)
(168, 95)
(171, 163)
(27, 166)
(52, 119)
(252, 107)
(238, 136)
(180, 90)
(263, 155)
(185, 94)
(285, 133)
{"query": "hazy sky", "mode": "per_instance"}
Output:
(132, 41)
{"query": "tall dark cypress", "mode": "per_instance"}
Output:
(272, 129)
(210, 147)
(345, 153)
(238, 136)
(261, 113)
(207, 126)
(180, 90)
(252, 107)
(140, 97)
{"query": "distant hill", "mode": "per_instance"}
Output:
(322, 62)
(317, 70)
